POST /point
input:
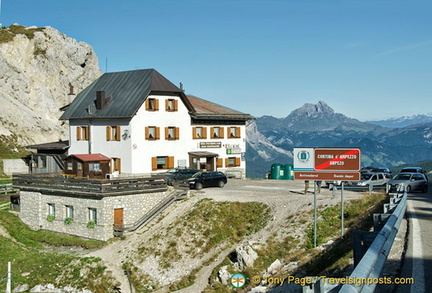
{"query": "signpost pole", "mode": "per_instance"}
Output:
(315, 215)
(342, 208)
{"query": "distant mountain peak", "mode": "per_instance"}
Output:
(311, 110)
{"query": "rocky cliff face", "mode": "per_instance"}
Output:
(40, 68)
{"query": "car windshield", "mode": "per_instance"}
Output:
(173, 170)
(366, 176)
(197, 174)
(402, 177)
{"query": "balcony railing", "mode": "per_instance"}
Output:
(66, 185)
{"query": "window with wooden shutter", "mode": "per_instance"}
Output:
(171, 105)
(199, 132)
(152, 104)
(152, 133)
(172, 133)
(233, 132)
(161, 163)
(232, 162)
(82, 132)
(113, 133)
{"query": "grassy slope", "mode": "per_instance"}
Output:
(34, 261)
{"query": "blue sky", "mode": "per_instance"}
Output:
(367, 59)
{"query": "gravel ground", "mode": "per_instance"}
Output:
(285, 197)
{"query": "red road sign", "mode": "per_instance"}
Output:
(327, 159)
(324, 175)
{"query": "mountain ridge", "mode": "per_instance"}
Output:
(319, 126)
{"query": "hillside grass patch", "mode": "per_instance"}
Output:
(34, 262)
(208, 226)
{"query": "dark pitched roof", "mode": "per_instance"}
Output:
(126, 92)
(57, 145)
(211, 111)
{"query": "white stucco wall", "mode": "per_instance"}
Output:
(136, 152)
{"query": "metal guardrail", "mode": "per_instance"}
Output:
(372, 262)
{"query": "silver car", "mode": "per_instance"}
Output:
(408, 181)
(374, 179)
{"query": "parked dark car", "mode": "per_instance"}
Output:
(180, 175)
(411, 181)
(207, 179)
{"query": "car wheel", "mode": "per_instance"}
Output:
(408, 188)
(221, 184)
(198, 186)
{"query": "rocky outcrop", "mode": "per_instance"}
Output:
(40, 70)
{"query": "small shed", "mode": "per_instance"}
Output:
(88, 165)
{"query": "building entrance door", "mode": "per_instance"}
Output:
(118, 218)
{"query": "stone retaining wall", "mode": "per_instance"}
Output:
(35, 209)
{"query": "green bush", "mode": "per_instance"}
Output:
(51, 218)
(68, 220)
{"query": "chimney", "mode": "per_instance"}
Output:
(101, 100)
(181, 87)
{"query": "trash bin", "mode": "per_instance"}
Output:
(289, 172)
(276, 172)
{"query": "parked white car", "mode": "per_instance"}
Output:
(374, 179)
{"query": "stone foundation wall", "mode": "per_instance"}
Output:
(35, 209)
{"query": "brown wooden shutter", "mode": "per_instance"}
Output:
(237, 162)
(166, 105)
(154, 163)
(117, 138)
(166, 133)
(237, 133)
(147, 104)
(175, 105)
(219, 163)
(157, 132)
(156, 104)
(204, 132)
(226, 162)
(78, 129)
(86, 132)
(212, 132)
(177, 133)
(146, 133)
(194, 135)
(221, 132)
(170, 162)
(108, 133)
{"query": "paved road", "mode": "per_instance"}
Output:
(418, 258)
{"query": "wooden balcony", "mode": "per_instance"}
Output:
(90, 188)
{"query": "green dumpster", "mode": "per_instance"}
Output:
(276, 171)
(289, 171)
